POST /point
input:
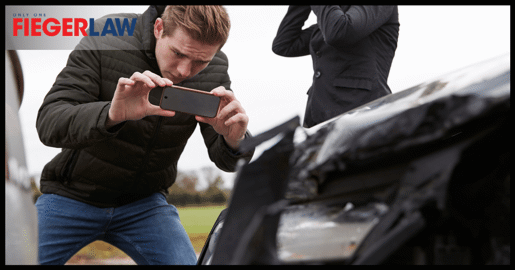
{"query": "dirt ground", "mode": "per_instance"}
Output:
(111, 261)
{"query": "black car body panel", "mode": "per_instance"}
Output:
(418, 177)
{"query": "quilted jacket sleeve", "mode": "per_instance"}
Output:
(71, 115)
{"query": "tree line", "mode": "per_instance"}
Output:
(185, 191)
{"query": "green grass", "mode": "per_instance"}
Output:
(198, 221)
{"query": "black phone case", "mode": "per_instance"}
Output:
(191, 101)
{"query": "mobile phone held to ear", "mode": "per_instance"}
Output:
(191, 101)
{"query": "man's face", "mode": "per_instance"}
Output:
(179, 56)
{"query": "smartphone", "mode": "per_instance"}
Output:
(191, 101)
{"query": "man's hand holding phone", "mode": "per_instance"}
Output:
(130, 100)
(219, 108)
(231, 120)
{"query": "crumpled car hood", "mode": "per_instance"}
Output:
(414, 117)
(406, 162)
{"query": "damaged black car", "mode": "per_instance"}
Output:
(421, 176)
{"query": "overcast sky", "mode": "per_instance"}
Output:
(433, 40)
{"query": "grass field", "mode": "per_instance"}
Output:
(197, 220)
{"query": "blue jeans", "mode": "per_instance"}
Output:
(148, 230)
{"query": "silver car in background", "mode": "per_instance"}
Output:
(21, 230)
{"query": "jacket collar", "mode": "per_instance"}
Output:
(148, 19)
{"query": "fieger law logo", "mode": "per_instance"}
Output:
(70, 26)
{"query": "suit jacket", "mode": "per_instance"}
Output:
(352, 48)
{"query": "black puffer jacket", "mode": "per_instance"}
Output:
(110, 168)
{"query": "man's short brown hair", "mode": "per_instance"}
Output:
(207, 24)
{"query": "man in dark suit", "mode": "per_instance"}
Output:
(352, 49)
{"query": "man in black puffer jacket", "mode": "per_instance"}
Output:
(119, 148)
